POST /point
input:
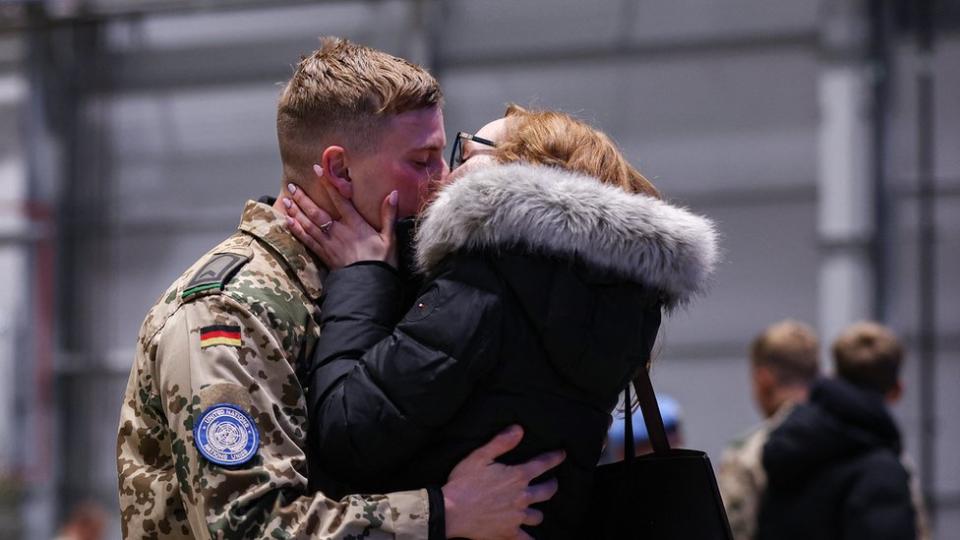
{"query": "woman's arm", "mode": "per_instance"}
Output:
(377, 393)
(361, 305)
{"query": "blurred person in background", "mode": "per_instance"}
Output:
(548, 261)
(87, 521)
(834, 465)
(213, 428)
(784, 361)
(672, 421)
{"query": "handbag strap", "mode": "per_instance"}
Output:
(651, 416)
(628, 444)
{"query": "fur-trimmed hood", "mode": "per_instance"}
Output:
(556, 212)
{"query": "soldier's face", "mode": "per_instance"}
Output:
(409, 159)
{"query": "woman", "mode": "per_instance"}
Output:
(547, 261)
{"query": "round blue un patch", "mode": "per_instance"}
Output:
(226, 435)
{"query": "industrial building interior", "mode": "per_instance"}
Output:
(821, 136)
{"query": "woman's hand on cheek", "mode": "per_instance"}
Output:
(352, 239)
(347, 240)
(307, 221)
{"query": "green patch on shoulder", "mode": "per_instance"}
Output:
(213, 276)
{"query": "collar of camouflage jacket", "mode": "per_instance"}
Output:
(269, 225)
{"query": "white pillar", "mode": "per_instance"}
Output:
(845, 188)
(15, 314)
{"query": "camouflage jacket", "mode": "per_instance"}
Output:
(741, 477)
(916, 497)
(234, 329)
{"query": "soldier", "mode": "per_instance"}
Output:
(213, 426)
(783, 364)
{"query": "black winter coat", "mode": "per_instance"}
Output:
(834, 470)
(544, 296)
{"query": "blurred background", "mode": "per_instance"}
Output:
(822, 136)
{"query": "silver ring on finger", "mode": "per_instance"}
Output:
(325, 228)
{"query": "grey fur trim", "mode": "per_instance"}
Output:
(553, 211)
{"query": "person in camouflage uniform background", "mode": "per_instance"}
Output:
(836, 466)
(783, 363)
(237, 326)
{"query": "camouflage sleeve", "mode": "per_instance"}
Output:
(212, 352)
(740, 497)
(916, 497)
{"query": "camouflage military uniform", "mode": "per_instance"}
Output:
(167, 488)
(741, 477)
(916, 496)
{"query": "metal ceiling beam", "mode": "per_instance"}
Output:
(220, 65)
(89, 13)
(637, 51)
(190, 7)
(159, 70)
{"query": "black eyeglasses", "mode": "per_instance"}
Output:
(456, 155)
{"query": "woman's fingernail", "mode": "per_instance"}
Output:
(393, 198)
(287, 202)
(291, 188)
(318, 169)
(289, 222)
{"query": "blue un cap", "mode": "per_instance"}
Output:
(669, 410)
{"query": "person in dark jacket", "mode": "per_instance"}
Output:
(548, 261)
(834, 465)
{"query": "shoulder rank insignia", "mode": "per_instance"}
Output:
(226, 435)
(215, 274)
(219, 334)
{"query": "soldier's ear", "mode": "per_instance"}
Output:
(334, 163)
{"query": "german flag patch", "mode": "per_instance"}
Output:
(219, 334)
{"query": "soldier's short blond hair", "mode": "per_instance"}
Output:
(346, 89)
(869, 355)
(789, 349)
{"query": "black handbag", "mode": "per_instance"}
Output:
(669, 494)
